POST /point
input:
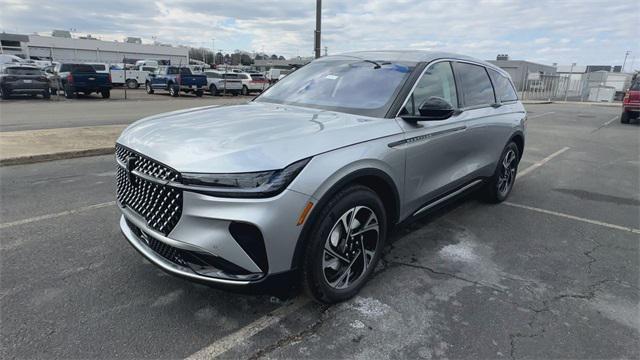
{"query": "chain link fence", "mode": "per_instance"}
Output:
(592, 87)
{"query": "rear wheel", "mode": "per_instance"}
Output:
(46, 94)
(69, 92)
(147, 87)
(345, 245)
(174, 90)
(245, 90)
(213, 89)
(501, 183)
(132, 84)
(106, 93)
(625, 117)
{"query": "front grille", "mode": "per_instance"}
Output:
(160, 205)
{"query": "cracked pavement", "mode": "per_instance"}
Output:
(470, 281)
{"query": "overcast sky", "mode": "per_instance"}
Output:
(582, 31)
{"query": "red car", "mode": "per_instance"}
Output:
(631, 103)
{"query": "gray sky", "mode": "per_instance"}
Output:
(582, 31)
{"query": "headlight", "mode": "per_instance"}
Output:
(244, 185)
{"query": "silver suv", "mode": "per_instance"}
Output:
(306, 181)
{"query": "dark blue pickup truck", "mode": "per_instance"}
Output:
(175, 79)
(78, 78)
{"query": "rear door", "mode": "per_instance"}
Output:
(436, 151)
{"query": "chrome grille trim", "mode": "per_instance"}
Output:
(141, 185)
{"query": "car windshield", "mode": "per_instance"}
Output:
(635, 86)
(345, 84)
(23, 71)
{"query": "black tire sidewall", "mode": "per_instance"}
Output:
(493, 195)
(340, 203)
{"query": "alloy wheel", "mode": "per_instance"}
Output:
(507, 172)
(350, 247)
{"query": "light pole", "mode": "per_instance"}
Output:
(318, 27)
(566, 90)
(626, 54)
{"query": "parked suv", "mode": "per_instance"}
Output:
(220, 82)
(631, 103)
(252, 82)
(23, 79)
(306, 181)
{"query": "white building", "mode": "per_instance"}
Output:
(67, 49)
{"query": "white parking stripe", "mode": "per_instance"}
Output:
(572, 217)
(55, 215)
(607, 123)
(541, 115)
(541, 162)
(234, 339)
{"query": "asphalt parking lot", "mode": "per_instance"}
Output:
(25, 113)
(552, 273)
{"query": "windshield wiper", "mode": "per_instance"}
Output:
(377, 65)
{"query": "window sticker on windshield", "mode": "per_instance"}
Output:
(331, 77)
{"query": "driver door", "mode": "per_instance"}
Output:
(435, 150)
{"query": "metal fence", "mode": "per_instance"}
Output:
(566, 88)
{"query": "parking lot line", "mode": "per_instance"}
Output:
(55, 215)
(572, 217)
(607, 123)
(541, 115)
(234, 339)
(541, 162)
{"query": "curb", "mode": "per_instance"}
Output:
(56, 156)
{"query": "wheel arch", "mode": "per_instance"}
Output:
(518, 138)
(375, 179)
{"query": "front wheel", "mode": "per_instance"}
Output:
(245, 90)
(68, 92)
(132, 84)
(199, 92)
(344, 245)
(4, 94)
(106, 93)
(501, 183)
(213, 90)
(147, 87)
(46, 94)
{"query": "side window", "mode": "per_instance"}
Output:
(502, 85)
(475, 84)
(437, 81)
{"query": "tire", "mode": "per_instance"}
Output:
(132, 84)
(496, 190)
(245, 90)
(4, 94)
(625, 118)
(53, 91)
(68, 92)
(199, 92)
(213, 90)
(147, 88)
(325, 274)
(235, 93)
(46, 94)
(174, 90)
(105, 93)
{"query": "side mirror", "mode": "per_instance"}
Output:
(433, 109)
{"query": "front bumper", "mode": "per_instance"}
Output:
(204, 229)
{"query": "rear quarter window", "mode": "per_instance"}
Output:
(504, 89)
(475, 84)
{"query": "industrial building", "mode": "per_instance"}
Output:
(520, 70)
(63, 47)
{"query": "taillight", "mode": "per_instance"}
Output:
(626, 98)
(70, 79)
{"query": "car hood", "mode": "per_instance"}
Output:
(249, 137)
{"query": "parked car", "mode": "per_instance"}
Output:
(631, 103)
(175, 79)
(72, 78)
(306, 181)
(17, 78)
(252, 82)
(219, 82)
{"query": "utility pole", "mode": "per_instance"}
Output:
(213, 50)
(318, 27)
(626, 54)
(326, 51)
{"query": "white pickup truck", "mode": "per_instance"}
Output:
(131, 78)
